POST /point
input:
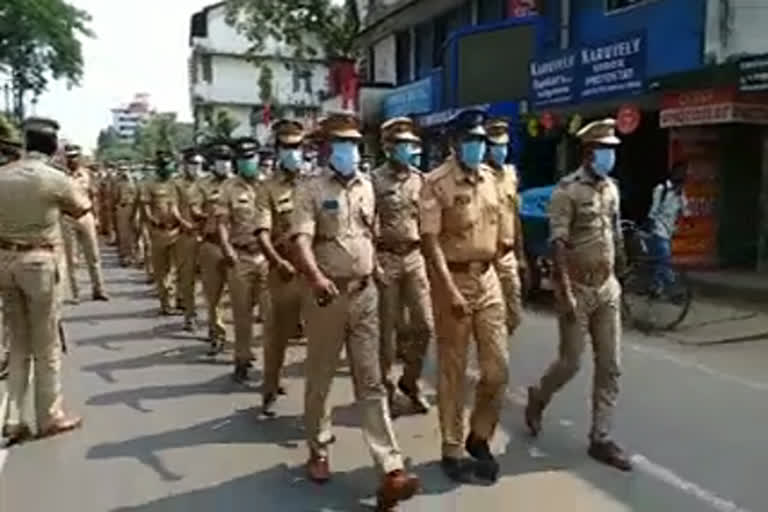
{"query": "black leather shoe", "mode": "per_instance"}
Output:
(458, 470)
(610, 454)
(486, 467)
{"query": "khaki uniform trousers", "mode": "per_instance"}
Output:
(285, 298)
(125, 224)
(144, 250)
(28, 281)
(404, 284)
(213, 273)
(598, 314)
(106, 217)
(165, 259)
(247, 289)
(507, 269)
(350, 321)
(82, 233)
(188, 247)
(64, 290)
(487, 326)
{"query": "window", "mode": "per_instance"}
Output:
(403, 48)
(617, 5)
(424, 44)
(447, 24)
(489, 11)
(207, 64)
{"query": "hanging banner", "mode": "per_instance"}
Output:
(590, 73)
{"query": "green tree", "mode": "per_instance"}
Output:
(39, 40)
(299, 24)
(220, 126)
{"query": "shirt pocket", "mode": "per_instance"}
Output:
(329, 218)
(283, 211)
(243, 208)
(462, 215)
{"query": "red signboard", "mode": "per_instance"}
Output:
(712, 106)
(627, 119)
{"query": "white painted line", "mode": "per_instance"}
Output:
(670, 478)
(666, 356)
(667, 476)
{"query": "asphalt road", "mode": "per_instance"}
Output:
(166, 430)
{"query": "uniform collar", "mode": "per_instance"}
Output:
(461, 176)
(354, 180)
(286, 177)
(398, 174)
(591, 178)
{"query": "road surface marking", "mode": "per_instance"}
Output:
(666, 356)
(670, 478)
(667, 476)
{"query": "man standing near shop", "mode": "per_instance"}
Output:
(333, 226)
(460, 225)
(81, 233)
(402, 273)
(510, 262)
(586, 241)
(33, 195)
(275, 207)
(668, 204)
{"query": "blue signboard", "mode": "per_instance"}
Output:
(414, 98)
(593, 72)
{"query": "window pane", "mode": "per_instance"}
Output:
(424, 46)
(403, 56)
(489, 11)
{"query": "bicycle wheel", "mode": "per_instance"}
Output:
(648, 309)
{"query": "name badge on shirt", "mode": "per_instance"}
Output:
(330, 204)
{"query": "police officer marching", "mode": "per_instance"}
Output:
(586, 239)
(81, 233)
(275, 207)
(333, 229)
(213, 271)
(247, 267)
(401, 273)
(510, 263)
(188, 244)
(33, 195)
(460, 224)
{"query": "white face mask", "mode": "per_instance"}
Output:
(222, 167)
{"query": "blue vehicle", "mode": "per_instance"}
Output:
(534, 206)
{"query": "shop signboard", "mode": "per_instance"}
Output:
(711, 106)
(590, 73)
(753, 73)
(411, 99)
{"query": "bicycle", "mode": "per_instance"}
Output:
(651, 302)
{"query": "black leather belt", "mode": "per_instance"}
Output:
(466, 267)
(352, 284)
(400, 249)
(212, 239)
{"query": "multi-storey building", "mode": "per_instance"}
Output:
(127, 118)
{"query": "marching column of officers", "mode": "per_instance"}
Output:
(444, 246)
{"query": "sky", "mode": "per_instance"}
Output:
(140, 46)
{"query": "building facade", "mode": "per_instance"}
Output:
(223, 77)
(128, 118)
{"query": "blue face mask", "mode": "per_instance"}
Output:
(605, 160)
(345, 158)
(416, 160)
(290, 159)
(499, 153)
(473, 153)
(248, 168)
(403, 152)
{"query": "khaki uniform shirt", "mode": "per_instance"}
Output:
(397, 205)
(506, 180)
(339, 217)
(237, 205)
(84, 181)
(275, 207)
(583, 213)
(162, 197)
(32, 197)
(126, 193)
(190, 198)
(464, 210)
(210, 195)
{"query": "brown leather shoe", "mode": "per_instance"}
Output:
(318, 468)
(61, 426)
(610, 454)
(397, 486)
(16, 434)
